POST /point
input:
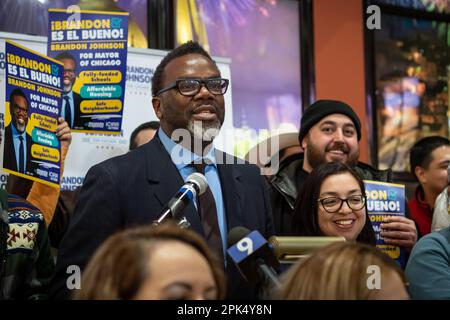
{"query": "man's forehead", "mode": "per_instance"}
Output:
(19, 100)
(191, 65)
(338, 119)
(441, 154)
(67, 61)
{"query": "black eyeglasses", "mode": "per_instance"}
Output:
(190, 87)
(334, 204)
(17, 107)
(71, 71)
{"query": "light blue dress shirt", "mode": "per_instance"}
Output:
(72, 108)
(16, 134)
(182, 158)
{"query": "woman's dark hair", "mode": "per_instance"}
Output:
(305, 219)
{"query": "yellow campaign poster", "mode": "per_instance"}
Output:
(33, 104)
(383, 200)
(92, 45)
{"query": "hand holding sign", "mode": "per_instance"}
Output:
(399, 231)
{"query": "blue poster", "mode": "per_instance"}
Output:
(383, 200)
(33, 103)
(92, 45)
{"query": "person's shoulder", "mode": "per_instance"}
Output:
(76, 96)
(432, 242)
(237, 163)
(130, 160)
(367, 172)
(8, 130)
(289, 167)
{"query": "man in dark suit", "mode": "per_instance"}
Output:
(71, 100)
(17, 152)
(132, 189)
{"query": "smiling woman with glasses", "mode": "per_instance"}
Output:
(332, 202)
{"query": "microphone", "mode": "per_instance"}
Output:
(194, 186)
(251, 252)
(290, 249)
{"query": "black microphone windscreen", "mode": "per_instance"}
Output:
(236, 234)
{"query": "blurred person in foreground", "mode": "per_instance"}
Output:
(153, 263)
(428, 268)
(344, 271)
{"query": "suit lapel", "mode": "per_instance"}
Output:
(165, 180)
(232, 188)
(9, 156)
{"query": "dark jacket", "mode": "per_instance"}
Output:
(285, 184)
(78, 122)
(131, 190)
(26, 261)
(9, 157)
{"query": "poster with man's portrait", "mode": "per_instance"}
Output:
(33, 94)
(93, 49)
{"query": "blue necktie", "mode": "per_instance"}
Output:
(21, 156)
(67, 112)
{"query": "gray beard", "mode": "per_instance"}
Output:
(20, 127)
(204, 133)
(67, 89)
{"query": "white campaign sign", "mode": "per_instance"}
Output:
(87, 150)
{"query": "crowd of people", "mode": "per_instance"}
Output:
(106, 231)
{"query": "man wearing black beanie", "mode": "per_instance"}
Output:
(330, 131)
(334, 139)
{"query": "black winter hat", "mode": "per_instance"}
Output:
(322, 108)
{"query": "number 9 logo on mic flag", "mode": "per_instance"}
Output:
(246, 246)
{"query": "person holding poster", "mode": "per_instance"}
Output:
(330, 131)
(71, 100)
(26, 262)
